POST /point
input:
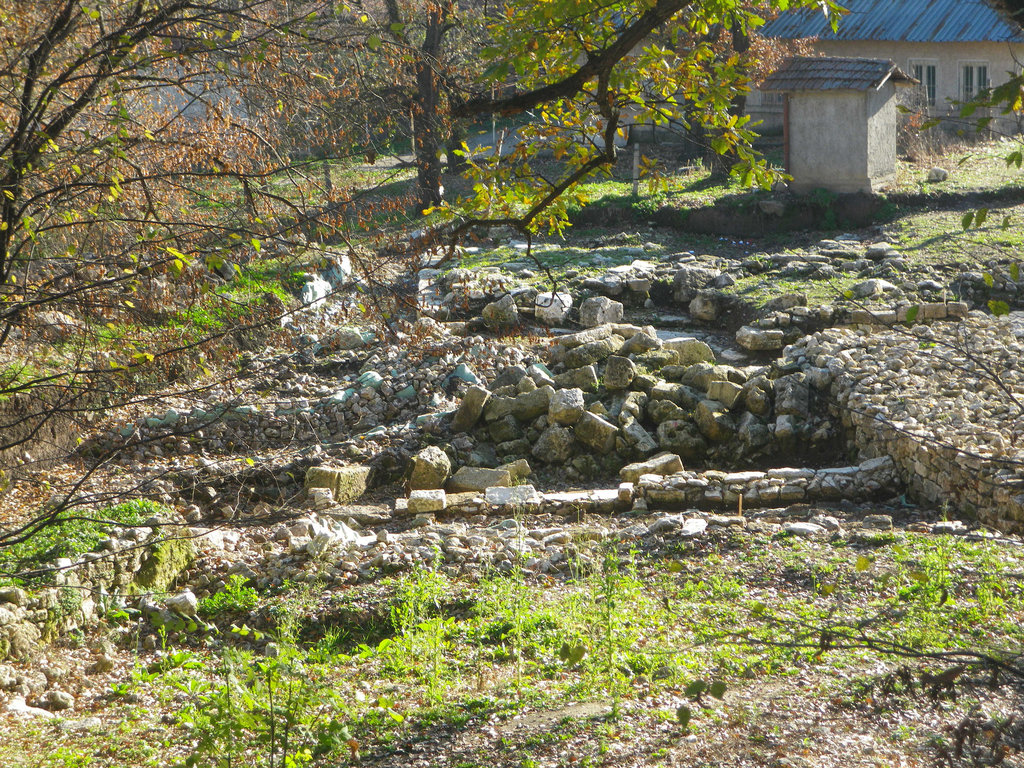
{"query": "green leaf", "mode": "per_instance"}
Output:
(373, 42)
(1015, 272)
(966, 219)
(674, 566)
(572, 654)
(980, 217)
(912, 313)
(683, 715)
(717, 689)
(989, 280)
(999, 308)
(862, 564)
(695, 689)
(256, 244)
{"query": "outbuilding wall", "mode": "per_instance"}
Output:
(828, 141)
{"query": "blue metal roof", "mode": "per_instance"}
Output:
(916, 21)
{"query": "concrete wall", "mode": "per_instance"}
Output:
(828, 141)
(881, 135)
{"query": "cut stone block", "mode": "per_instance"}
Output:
(472, 406)
(346, 483)
(478, 479)
(599, 310)
(665, 464)
(760, 339)
(690, 351)
(595, 432)
(551, 308)
(515, 495)
(426, 501)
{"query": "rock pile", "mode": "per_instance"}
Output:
(617, 393)
(945, 401)
(134, 559)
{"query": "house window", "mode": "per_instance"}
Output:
(973, 79)
(925, 72)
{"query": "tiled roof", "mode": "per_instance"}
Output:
(921, 21)
(833, 73)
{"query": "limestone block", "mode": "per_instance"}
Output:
(638, 437)
(682, 436)
(470, 408)
(689, 351)
(501, 313)
(518, 496)
(551, 308)
(618, 372)
(519, 469)
(572, 340)
(664, 464)
(725, 392)
(704, 307)
(430, 469)
(555, 445)
(584, 378)
(346, 483)
(478, 479)
(566, 406)
(593, 431)
(529, 405)
(599, 310)
(420, 501)
(593, 351)
(760, 339)
(713, 421)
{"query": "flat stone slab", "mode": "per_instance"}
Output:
(433, 500)
(516, 495)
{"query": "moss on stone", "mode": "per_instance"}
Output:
(165, 561)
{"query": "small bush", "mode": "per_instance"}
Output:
(235, 597)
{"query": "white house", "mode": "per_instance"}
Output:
(955, 48)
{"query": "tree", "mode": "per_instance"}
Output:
(590, 69)
(145, 148)
(130, 175)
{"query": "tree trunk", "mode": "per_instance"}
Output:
(428, 142)
(720, 165)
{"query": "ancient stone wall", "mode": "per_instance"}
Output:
(943, 400)
(131, 561)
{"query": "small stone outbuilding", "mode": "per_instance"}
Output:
(839, 121)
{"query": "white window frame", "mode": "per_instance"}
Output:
(930, 95)
(968, 90)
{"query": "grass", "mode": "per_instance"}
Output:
(630, 627)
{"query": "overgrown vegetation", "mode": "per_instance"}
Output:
(71, 535)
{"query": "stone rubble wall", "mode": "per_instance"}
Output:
(943, 401)
(710, 490)
(874, 478)
(135, 561)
